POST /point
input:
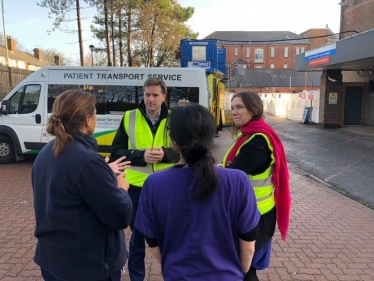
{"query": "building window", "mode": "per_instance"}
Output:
(21, 64)
(286, 52)
(285, 65)
(297, 50)
(244, 66)
(272, 65)
(248, 54)
(198, 53)
(258, 66)
(272, 52)
(236, 52)
(302, 49)
(2, 61)
(12, 63)
(259, 55)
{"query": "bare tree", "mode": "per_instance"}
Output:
(19, 46)
(58, 10)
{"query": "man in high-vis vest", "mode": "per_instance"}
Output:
(141, 138)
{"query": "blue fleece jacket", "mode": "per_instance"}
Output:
(80, 213)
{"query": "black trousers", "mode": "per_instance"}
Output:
(251, 275)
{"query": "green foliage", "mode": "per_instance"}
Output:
(157, 26)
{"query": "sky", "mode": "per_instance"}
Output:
(29, 23)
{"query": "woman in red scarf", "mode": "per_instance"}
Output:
(258, 151)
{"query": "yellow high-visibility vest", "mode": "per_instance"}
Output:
(141, 138)
(262, 185)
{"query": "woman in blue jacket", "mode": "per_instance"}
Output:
(81, 207)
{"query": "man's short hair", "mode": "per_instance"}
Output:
(155, 81)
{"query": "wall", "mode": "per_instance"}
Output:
(357, 15)
(290, 106)
(368, 116)
(316, 42)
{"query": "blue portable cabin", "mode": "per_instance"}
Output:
(203, 54)
(206, 54)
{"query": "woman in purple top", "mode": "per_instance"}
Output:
(200, 221)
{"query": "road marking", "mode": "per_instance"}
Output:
(344, 169)
(336, 132)
(353, 138)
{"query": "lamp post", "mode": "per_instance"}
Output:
(92, 48)
(5, 38)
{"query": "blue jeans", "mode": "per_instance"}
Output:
(136, 264)
(49, 277)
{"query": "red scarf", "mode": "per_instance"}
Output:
(280, 179)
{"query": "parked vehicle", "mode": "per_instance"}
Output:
(25, 110)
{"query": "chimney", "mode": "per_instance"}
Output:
(57, 60)
(38, 53)
(11, 44)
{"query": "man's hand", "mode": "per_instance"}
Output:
(118, 166)
(122, 182)
(153, 155)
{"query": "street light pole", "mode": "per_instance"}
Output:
(92, 47)
(5, 38)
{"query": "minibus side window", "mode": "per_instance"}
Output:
(30, 99)
(122, 98)
(25, 100)
(14, 101)
(176, 94)
(54, 90)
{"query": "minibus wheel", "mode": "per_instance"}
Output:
(7, 153)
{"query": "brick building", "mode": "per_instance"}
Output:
(320, 36)
(348, 68)
(23, 60)
(261, 49)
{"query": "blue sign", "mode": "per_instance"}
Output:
(324, 51)
(202, 64)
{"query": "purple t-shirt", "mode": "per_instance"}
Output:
(198, 239)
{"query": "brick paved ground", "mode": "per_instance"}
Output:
(331, 236)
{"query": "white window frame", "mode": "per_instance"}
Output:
(286, 52)
(302, 50)
(272, 52)
(272, 65)
(236, 52)
(199, 53)
(259, 55)
(297, 50)
(285, 65)
(248, 52)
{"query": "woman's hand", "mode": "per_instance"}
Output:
(118, 166)
(122, 182)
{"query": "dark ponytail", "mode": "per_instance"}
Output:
(192, 127)
(70, 111)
